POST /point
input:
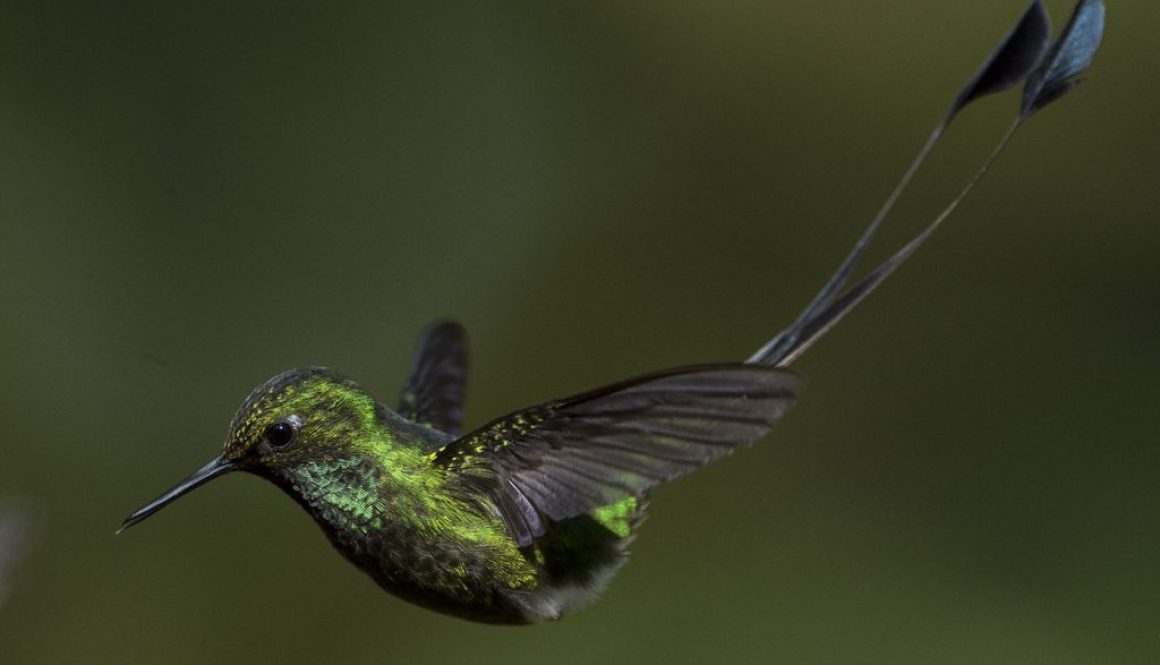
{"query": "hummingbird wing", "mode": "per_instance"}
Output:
(570, 456)
(434, 392)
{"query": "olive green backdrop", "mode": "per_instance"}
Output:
(194, 197)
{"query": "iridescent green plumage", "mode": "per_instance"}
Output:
(364, 474)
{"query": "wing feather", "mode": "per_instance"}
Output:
(434, 392)
(571, 456)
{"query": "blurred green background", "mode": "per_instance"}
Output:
(198, 195)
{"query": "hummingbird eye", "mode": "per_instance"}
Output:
(280, 434)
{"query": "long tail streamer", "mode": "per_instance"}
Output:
(1024, 54)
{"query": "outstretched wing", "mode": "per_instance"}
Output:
(435, 390)
(570, 456)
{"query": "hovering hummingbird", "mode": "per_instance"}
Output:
(530, 516)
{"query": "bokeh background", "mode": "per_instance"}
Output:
(198, 195)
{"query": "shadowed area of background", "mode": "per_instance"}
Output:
(194, 199)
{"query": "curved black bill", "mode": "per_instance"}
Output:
(203, 475)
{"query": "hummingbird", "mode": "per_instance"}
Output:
(530, 516)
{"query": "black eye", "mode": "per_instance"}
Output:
(280, 434)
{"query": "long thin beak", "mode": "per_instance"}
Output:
(203, 475)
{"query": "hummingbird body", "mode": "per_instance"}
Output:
(530, 515)
(367, 478)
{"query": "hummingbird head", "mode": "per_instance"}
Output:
(297, 417)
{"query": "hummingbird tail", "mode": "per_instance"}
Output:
(829, 306)
(1023, 54)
